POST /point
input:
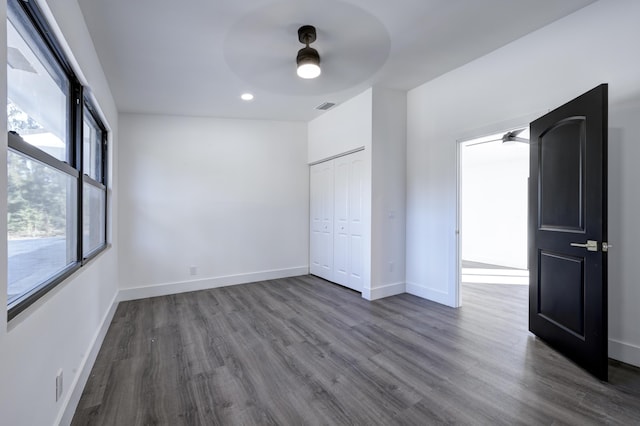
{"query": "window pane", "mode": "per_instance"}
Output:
(37, 92)
(41, 223)
(92, 147)
(93, 208)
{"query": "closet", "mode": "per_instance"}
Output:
(336, 235)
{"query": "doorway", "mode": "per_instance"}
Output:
(493, 191)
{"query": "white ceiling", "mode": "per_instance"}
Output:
(197, 57)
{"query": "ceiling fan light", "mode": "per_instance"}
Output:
(309, 71)
(308, 61)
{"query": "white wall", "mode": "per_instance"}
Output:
(342, 129)
(389, 153)
(508, 88)
(494, 204)
(230, 197)
(65, 327)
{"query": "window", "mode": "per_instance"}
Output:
(57, 193)
(94, 191)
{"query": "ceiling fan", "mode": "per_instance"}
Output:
(507, 138)
(512, 136)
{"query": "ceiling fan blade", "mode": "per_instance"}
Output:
(511, 136)
(482, 142)
(516, 139)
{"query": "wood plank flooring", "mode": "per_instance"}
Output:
(303, 351)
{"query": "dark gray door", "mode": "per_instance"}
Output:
(568, 230)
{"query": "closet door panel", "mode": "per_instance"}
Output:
(315, 210)
(341, 222)
(356, 227)
(326, 234)
(321, 207)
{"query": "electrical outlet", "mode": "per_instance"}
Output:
(59, 385)
(390, 266)
(193, 270)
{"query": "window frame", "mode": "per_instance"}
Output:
(31, 17)
(88, 180)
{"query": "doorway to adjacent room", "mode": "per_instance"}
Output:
(493, 188)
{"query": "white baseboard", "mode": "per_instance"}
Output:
(625, 352)
(430, 294)
(73, 398)
(383, 291)
(204, 284)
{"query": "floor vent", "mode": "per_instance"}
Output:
(325, 106)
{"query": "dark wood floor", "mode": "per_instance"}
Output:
(304, 351)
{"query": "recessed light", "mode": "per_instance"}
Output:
(246, 97)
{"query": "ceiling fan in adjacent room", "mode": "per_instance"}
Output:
(511, 137)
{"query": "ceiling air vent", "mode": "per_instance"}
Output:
(325, 106)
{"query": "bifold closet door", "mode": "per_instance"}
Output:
(341, 221)
(347, 240)
(336, 248)
(356, 226)
(321, 206)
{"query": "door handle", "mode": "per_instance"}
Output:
(590, 245)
